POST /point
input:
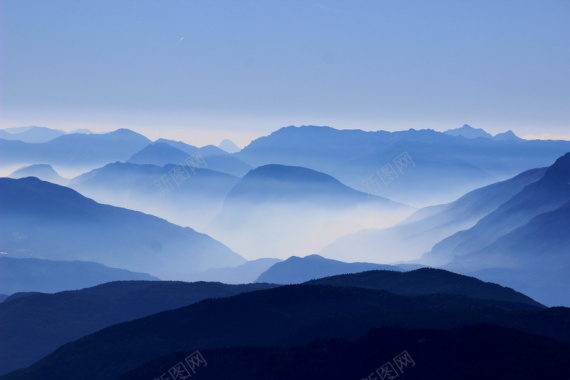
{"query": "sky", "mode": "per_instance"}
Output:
(202, 71)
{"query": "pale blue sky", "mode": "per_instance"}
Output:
(201, 71)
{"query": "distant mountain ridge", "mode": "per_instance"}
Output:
(75, 149)
(469, 132)
(49, 276)
(31, 134)
(444, 167)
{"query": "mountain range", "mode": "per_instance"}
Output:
(426, 227)
(286, 316)
(417, 167)
(183, 195)
(75, 150)
(31, 134)
(471, 133)
(43, 220)
(51, 320)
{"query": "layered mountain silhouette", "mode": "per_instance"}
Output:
(51, 320)
(158, 154)
(77, 149)
(428, 226)
(546, 194)
(523, 242)
(43, 220)
(444, 167)
(471, 133)
(164, 152)
(296, 270)
(184, 195)
(44, 172)
(31, 134)
(282, 211)
(285, 316)
(534, 258)
(48, 276)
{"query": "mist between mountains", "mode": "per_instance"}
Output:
(180, 173)
(387, 173)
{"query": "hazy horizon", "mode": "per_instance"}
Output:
(193, 71)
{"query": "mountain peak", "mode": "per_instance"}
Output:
(468, 132)
(229, 146)
(507, 136)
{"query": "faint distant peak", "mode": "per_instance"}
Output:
(229, 146)
(469, 132)
(83, 131)
(507, 136)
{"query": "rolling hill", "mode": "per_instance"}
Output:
(51, 320)
(289, 316)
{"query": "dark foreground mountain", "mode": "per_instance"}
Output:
(296, 270)
(428, 226)
(48, 276)
(420, 354)
(287, 316)
(286, 211)
(426, 281)
(51, 320)
(43, 220)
